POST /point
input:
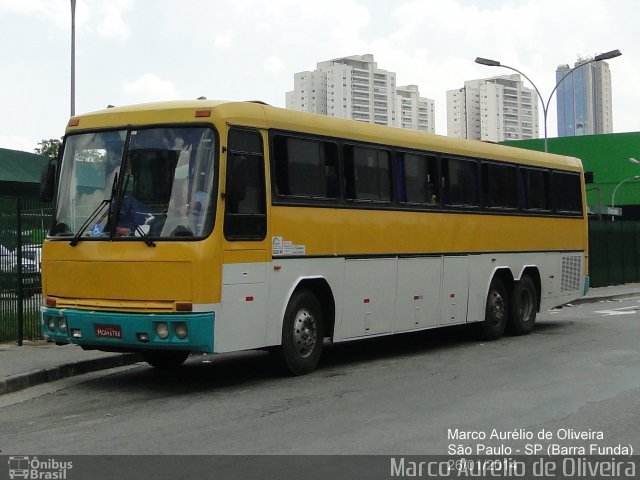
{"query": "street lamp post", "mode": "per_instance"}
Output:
(545, 106)
(73, 57)
(613, 195)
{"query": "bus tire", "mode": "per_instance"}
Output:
(302, 335)
(165, 360)
(524, 301)
(496, 311)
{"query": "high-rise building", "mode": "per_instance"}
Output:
(355, 88)
(584, 99)
(413, 111)
(493, 109)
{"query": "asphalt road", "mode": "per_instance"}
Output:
(579, 372)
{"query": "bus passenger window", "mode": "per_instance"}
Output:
(567, 192)
(536, 187)
(499, 186)
(418, 172)
(305, 168)
(367, 174)
(460, 182)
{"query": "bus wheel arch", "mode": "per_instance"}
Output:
(320, 288)
(302, 339)
(534, 274)
(525, 303)
(497, 304)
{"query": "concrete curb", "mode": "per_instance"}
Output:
(21, 381)
(604, 298)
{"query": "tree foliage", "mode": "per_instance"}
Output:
(49, 147)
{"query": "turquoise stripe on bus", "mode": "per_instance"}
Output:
(199, 339)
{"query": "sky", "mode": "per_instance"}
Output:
(135, 51)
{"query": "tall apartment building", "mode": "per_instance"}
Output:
(493, 109)
(355, 88)
(584, 99)
(413, 111)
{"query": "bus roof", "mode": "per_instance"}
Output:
(261, 115)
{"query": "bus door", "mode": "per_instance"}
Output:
(242, 323)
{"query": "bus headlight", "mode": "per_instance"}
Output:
(51, 323)
(162, 330)
(62, 324)
(181, 330)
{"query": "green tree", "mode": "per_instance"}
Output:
(49, 147)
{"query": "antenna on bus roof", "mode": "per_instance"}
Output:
(202, 98)
(258, 101)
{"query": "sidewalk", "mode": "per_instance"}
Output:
(40, 362)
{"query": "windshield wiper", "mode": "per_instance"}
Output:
(99, 209)
(145, 236)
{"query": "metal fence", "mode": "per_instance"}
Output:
(614, 252)
(23, 226)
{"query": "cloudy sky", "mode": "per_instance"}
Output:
(131, 51)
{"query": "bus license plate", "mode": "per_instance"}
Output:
(108, 331)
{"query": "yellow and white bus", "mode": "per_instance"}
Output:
(204, 226)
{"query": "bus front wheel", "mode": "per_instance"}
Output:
(165, 360)
(302, 335)
(496, 312)
(524, 301)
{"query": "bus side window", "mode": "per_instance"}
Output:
(245, 204)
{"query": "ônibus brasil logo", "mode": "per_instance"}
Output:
(36, 469)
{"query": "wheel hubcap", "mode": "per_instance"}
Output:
(305, 333)
(497, 307)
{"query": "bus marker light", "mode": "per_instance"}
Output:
(417, 297)
(203, 113)
(367, 300)
(74, 122)
(184, 307)
(181, 330)
(162, 330)
(277, 268)
(50, 302)
(249, 299)
(76, 333)
(143, 337)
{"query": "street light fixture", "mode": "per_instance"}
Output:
(635, 177)
(545, 106)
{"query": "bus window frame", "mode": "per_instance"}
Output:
(389, 150)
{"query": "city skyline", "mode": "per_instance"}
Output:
(355, 88)
(250, 50)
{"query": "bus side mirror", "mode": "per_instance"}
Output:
(48, 181)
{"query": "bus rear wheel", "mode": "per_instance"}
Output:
(496, 311)
(165, 360)
(524, 304)
(302, 335)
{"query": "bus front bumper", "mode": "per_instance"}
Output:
(129, 331)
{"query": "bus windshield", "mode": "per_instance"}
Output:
(137, 184)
